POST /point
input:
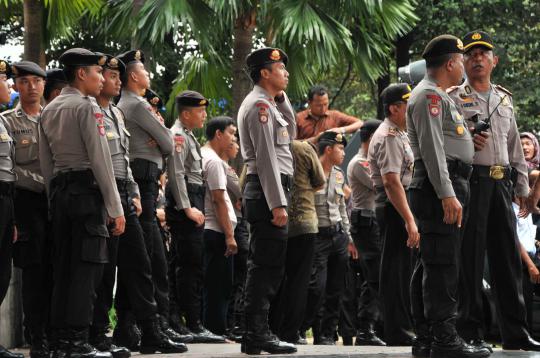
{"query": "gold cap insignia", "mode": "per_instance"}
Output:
(14, 70)
(138, 55)
(3, 66)
(202, 102)
(476, 36)
(154, 101)
(459, 44)
(102, 60)
(113, 63)
(339, 138)
(275, 56)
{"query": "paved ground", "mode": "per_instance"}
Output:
(233, 351)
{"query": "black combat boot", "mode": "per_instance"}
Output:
(366, 336)
(39, 347)
(201, 334)
(154, 340)
(126, 333)
(172, 334)
(258, 338)
(421, 346)
(447, 344)
(99, 339)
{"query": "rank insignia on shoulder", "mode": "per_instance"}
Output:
(499, 87)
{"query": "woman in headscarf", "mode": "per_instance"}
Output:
(531, 150)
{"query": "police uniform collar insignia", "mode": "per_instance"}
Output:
(275, 56)
(476, 36)
(138, 55)
(468, 89)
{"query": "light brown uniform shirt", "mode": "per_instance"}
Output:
(330, 202)
(24, 130)
(358, 175)
(7, 154)
(503, 146)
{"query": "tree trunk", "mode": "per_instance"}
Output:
(241, 84)
(33, 32)
(403, 45)
(382, 83)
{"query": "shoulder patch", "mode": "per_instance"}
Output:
(262, 108)
(100, 123)
(179, 141)
(499, 87)
(434, 98)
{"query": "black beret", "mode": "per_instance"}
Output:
(56, 75)
(5, 68)
(442, 45)
(114, 63)
(131, 56)
(396, 92)
(333, 138)
(265, 56)
(477, 38)
(369, 127)
(191, 99)
(23, 68)
(153, 98)
(81, 57)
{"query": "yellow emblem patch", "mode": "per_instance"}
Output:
(4, 136)
(339, 178)
(275, 56)
(476, 36)
(460, 130)
(202, 102)
(110, 135)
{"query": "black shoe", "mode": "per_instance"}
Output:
(172, 334)
(421, 347)
(368, 337)
(233, 335)
(39, 348)
(480, 343)
(326, 341)
(4, 353)
(528, 344)
(105, 344)
(127, 334)
(457, 348)
(202, 335)
(347, 340)
(154, 340)
(301, 338)
(268, 344)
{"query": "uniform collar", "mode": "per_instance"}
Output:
(471, 90)
(19, 113)
(263, 94)
(71, 90)
(128, 93)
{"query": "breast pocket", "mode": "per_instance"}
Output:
(26, 149)
(282, 134)
(114, 143)
(505, 114)
(196, 158)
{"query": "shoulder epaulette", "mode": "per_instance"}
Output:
(499, 87)
(451, 89)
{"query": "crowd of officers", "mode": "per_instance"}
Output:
(97, 193)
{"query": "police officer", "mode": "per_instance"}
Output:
(494, 228)
(135, 288)
(366, 237)
(266, 124)
(331, 244)
(56, 80)
(77, 167)
(391, 163)
(7, 180)
(439, 193)
(184, 211)
(32, 249)
(149, 143)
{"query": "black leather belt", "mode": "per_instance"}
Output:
(286, 180)
(456, 167)
(363, 212)
(7, 188)
(330, 230)
(123, 184)
(496, 172)
(85, 176)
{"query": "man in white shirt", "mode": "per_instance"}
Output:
(220, 221)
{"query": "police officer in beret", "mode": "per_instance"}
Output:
(7, 188)
(32, 249)
(135, 288)
(184, 211)
(56, 80)
(332, 244)
(391, 163)
(266, 125)
(77, 169)
(439, 194)
(149, 143)
(366, 237)
(492, 192)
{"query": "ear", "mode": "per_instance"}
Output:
(265, 73)
(495, 60)
(81, 73)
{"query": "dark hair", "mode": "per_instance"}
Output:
(317, 90)
(129, 68)
(217, 124)
(436, 62)
(71, 72)
(255, 73)
(50, 86)
(321, 146)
